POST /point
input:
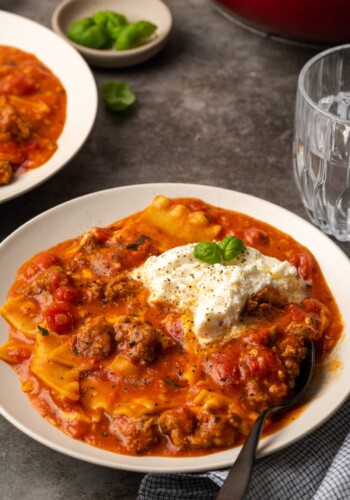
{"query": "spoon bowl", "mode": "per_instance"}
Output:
(236, 484)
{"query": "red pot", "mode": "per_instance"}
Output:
(318, 21)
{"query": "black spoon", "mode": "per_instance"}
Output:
(236, 484)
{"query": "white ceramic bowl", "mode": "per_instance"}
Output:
(155, 11)
(102, 208)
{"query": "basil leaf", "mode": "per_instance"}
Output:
(43, 331)
(172, 383)
(208, 252)
(110, 22)
(117, 96)
(231, 247)
(138, 242)
(134, 34)
(85, 32)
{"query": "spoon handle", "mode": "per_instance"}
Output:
(236, 484)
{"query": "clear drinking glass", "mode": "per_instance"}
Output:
(321, 149)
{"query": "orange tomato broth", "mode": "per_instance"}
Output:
(39, 99)
(112, 255)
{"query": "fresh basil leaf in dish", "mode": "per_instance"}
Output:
(172, 383)
(44, 332)
(117, 96)
(216, 253)
(231, 247)
(110, 23)
(134, 35)
(105, 28)
(85, 32)
(138, 242)
(208, 252)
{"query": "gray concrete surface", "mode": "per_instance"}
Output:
(215, 107)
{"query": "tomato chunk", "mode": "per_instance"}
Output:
(254, 236)
(18, 85)
(174, 327)
(67, 293)
(234, 365)
(304, 264)
(59, 319)
(47, 260)
(265, 337)
(223, 366)
(260, 362)
(40, 263)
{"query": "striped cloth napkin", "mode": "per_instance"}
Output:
(315, 468)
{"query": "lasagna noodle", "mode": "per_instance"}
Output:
(62, 379)
(164, 222)
(9, 351)
(179, 220)
(21, 313)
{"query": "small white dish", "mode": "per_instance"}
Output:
(155, 11)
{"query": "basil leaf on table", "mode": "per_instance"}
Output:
(231, 247)
(85, 32)
(110, 23)
(208, 251)
(117, 96)
(134, 34)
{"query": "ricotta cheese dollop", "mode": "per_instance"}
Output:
(216, 294)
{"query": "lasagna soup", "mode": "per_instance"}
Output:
(32, 112)
(168, 332)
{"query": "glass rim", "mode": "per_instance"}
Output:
(301, 80)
